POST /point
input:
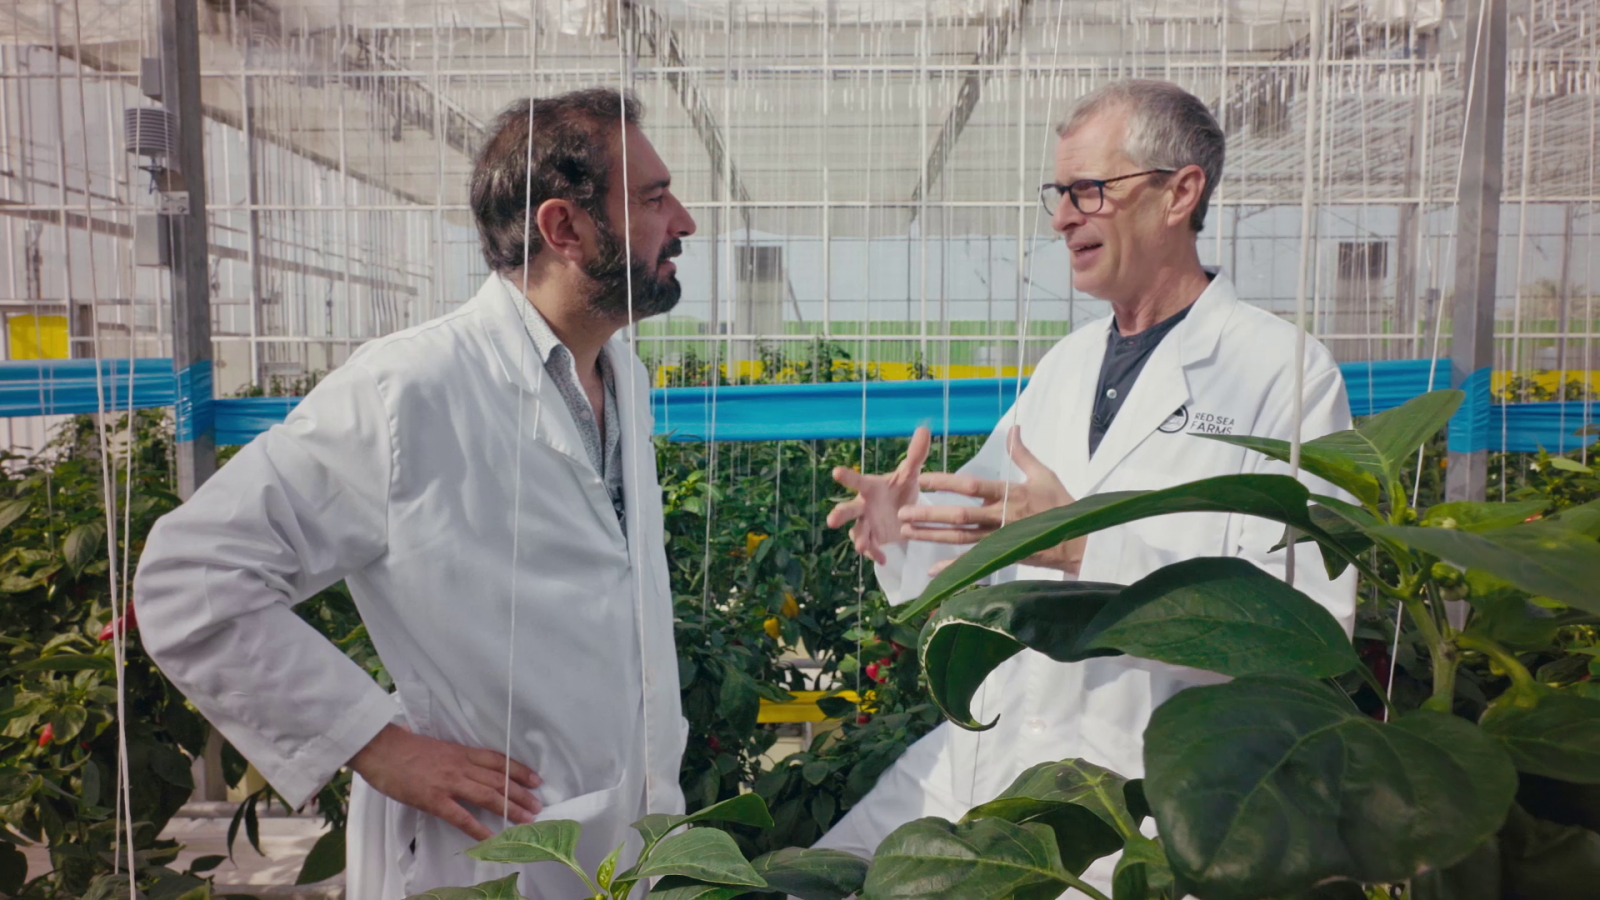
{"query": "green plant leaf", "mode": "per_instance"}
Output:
(67, 662)
(678, 888)
(1530, 859)
(502, 889)
(1559, 801)
(1275, 497)
(985, 859)
(1468, 515)
(1143, 869)
(1265, 785)
(1219, 614)
(550, 841)
(1546, 557)
(1324, 462)
(325, 860)
(12, 510)
(13, 868)
(745, 809)
(1081, 802)
(608, 867)
(83, 544)
(812, 874)
(704, 854)
(1548, 732)
(1372, 454)
(739, 701)
(1570, 465)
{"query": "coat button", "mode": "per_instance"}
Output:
(1111, 393)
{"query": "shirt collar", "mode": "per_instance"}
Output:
(544, 340)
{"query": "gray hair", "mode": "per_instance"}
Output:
(1168, 128)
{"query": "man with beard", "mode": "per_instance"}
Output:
(485, 484)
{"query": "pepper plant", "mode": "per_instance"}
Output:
(694, 864)
(1276, 784)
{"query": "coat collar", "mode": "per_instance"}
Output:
(521, 365)
(1163, 387)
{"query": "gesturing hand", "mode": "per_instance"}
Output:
(1003, 502)
(878, 500)
(437, 777)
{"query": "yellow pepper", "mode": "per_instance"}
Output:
(790, 608)
(751, 542)
(773, 628)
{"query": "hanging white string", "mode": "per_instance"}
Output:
(1313, 100)
(528, 226)
(636, 444)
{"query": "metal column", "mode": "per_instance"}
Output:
(184, 202)
(1478, 222)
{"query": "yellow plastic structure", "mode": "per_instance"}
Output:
(803, 708)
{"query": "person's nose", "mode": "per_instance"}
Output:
(1067, 216)
(682, 222)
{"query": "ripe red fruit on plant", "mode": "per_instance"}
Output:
(863, 719)
(874, 672)
(120, 624)
(47, 735)
(714, 744)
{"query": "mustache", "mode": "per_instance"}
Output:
(673, 248)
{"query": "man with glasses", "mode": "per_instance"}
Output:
(1117, 405)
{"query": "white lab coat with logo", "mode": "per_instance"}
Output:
(444, 479)
(1229, 368)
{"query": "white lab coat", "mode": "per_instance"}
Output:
(1229, 367)
(443, 478)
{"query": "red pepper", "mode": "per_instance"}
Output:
(872, 672)
(714, 744)
(47, 735)
(863, 719)
(120, 624)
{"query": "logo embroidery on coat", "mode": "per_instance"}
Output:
(1211, 423)
(1175, 422)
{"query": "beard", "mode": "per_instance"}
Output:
(612, 271)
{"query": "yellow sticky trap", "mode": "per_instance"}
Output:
(803, 708)
(38, 337)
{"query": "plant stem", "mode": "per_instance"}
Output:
(1441, 653)
(1087, 889)
(1522, 681)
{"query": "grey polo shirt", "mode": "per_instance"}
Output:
(1124, 360)
(605, 450)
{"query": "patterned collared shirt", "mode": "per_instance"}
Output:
(605, 451)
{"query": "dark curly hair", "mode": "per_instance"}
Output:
(551, 148)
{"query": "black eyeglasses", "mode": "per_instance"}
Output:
(1088, 194)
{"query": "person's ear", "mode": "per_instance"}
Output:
(563, 227)
(1184, 187)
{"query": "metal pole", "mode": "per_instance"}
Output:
(1478, 223)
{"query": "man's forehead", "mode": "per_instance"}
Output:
(1091, 147)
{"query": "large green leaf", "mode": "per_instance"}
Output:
(986, 859)
(325, 860)
(1548, 732)
(1530, 859)
(1219, 614)
(703, 854)
(83, 544)
(551, 841)
(501, 889)
(1559, 801)
(745, 809)
(1081, 802)
(1371, 455)
(675, 887)
(1266, 785)
(12, 510)
(1468, 515)
(1142, 871)
(812, 874)
(1275, 497)
(977, 631)
(1325, 463)
(1546, 557)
